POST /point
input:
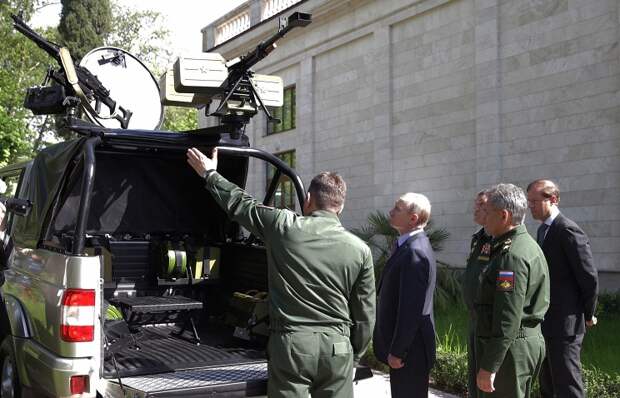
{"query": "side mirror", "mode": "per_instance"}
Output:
(19, 207)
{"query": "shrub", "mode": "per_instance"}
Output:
(608, 304)
(450, 371)
(600, 384)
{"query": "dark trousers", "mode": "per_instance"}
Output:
(410, 381)
(561, 373)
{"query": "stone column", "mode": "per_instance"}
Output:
(306, 158)
(383, 144)
(488, 88)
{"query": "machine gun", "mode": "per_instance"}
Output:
(72, 79)
(238, 85)
(240, 69)
(237, 88)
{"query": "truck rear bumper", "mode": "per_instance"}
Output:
(45, 374)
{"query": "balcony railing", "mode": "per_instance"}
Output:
(232, 27)
(272, 7)
(247, 16)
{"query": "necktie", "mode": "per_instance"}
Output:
(541, 233)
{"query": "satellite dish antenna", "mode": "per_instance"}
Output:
(131, 84)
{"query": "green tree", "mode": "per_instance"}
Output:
(180, 119)
(84, 25)
(22, 65)
(380, 236)
(143, 34)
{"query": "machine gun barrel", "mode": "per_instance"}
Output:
(47, 46)
(297, 19)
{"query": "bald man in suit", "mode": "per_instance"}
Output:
(404, 336)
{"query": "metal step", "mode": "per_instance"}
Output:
(194, 382)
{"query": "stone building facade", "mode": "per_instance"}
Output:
(447, 97)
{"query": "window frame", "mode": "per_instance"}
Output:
(17, 173)
(279, 113)
(285, 187)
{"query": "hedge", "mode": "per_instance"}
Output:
(450, 375)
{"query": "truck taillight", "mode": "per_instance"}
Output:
(78, 315)
(79, 384)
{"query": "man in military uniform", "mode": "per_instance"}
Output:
(512, 298)
(321, 284)
(476, 262)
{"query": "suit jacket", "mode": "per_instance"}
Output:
(573, 278)
(405, 326)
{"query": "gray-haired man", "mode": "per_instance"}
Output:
(512, 298)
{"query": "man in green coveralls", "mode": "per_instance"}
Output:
(512, 298)
(321, 284)
(476, 262)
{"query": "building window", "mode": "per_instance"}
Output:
(285, 113)
(284, 196)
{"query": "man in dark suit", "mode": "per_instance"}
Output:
(404, 336)
(574, 291)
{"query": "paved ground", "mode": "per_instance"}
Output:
(379, 387)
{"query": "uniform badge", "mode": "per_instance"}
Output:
(506, 281)
(485, 252)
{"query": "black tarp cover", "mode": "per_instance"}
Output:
(143, 193)
(41, 185)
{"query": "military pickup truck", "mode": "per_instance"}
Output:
(125, 279)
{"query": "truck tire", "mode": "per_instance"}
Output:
(9, 381)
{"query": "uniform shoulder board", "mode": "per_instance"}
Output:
(502, 245)
(262, 206)
(506, 245)
(473, 244)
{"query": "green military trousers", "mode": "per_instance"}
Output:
(302, 363)
(472, 367)
(522, 364)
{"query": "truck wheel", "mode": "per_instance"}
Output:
(9, 382)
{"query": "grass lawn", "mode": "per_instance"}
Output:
(600, 347)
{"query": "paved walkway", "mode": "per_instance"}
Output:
(379, 387)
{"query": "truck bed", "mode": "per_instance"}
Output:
(161, 352)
